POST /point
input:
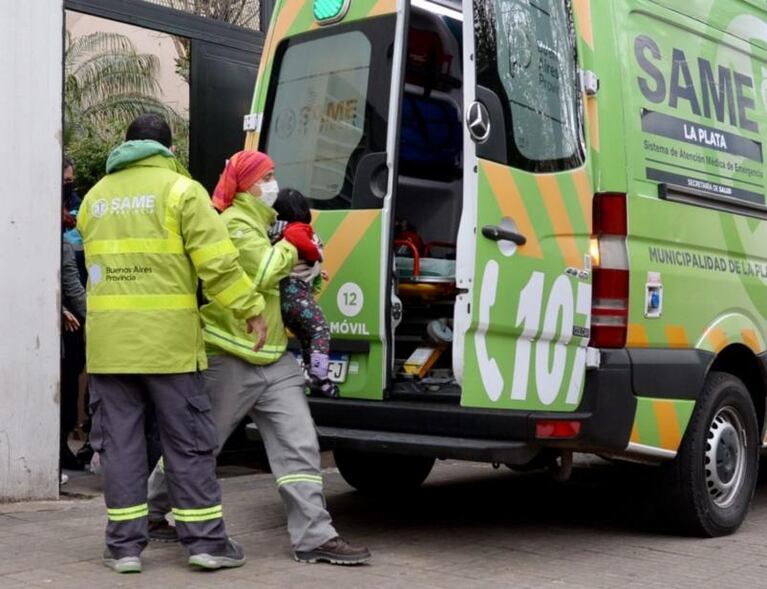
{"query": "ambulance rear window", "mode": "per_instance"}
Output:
(326, 108)
(526, 55)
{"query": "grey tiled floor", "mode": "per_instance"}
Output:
(470, 526)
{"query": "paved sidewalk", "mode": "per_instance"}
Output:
(471, 526)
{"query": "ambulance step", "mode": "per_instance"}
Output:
(426, 445)
(420, 445)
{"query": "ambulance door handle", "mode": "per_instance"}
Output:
(499, 234)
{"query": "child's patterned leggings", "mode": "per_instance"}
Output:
(303, 316)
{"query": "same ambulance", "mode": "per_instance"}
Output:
(544, 226)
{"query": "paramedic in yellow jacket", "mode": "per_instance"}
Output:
(149, 232)
(268, 383)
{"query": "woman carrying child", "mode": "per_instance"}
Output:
(268, 384)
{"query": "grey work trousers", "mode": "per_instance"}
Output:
(274, 397)
(118, 405)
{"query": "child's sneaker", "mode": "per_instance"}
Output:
(323, 388)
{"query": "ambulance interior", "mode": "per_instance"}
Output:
(428, 205)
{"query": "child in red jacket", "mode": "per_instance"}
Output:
(300, 312)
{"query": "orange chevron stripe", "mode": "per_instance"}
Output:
(344, 240)
(289, 12)
(582, 9)
(637, 336)
(585, 194)
(677, 336)
(718, 339)
(383, 7)
(251, 140)
(592, 115)
(669, 431)
(552, 197)
(511, 204)
(635, 433)
(751, 340)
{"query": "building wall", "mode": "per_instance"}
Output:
(30, 168)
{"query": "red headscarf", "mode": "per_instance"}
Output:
(242, 171)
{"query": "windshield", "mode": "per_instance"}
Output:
(327, 108)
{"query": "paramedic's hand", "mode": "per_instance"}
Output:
(257, 325)
(71, 322)
(325, 276)
(306, 272)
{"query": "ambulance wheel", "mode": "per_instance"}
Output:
(709, 485)
(375, 473)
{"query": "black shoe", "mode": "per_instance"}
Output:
(68, 460)
(335, 551)
(162, 531)
(85, 454)
(230, 557)
(323, 388)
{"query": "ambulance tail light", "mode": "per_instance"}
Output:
(556, 429)
(610, 288)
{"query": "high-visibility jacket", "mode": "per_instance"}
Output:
(248, 220)
(149, 233)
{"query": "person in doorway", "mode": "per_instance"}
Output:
(300, 312)
(70, 206)
(149, 232)
(72, 353)
(268, 384)
(73, 316)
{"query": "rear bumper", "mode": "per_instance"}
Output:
(606, 414)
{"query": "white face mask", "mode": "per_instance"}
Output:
(269, 191)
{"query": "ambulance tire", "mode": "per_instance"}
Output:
(707, 489)
(376, 474)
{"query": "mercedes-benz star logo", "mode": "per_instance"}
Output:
(478, 121)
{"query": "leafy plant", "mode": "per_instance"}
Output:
(108, 84)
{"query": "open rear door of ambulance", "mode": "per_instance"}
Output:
(523, 316)
(327, 107)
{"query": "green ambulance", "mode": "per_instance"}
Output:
(544, 229)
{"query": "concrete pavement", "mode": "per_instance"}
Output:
(470, 526)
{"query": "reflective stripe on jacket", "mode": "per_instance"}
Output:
(248, 221)
(149, 232)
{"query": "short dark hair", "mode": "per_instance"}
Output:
(150, 126)
(68, 163)
(292, 206)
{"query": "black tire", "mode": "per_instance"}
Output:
(377, 474)
(708, 488)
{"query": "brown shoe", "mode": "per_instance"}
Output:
(335, 551)
(162, 531)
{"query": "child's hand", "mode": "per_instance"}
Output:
(275, 231)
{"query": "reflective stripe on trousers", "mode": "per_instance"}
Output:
(299, 478)
(198, 515)
(121, 514)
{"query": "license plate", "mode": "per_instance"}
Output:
(338, 367)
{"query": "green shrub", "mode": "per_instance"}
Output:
(90, 150)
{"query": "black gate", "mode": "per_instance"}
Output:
(224, 62)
